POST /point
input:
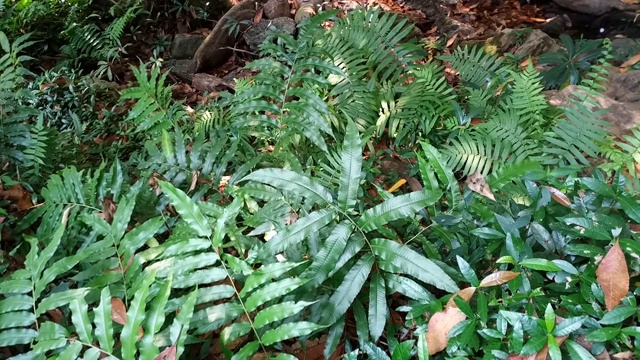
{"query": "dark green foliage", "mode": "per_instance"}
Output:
(568, 65)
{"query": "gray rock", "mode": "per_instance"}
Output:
(182, 69)
(624, 48)
(274, 9)
(258, 34)
(537, 43)
(624, 87)
(184, 46)
(596, 7)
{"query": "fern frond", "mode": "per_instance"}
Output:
(476, 67)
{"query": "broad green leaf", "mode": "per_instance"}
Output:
(630, 207)
(549, 318)
(374, 352)
(46, 254)
(102, 319)
(13, 337)
(266, 273)
(394, 257)
(71, 352)
(467, 272)
(179, 328)
(604, 334)
(283, 356)
(80, 319)
(402, 351)
(423, 348)
(378, 309)
(16, 286)
(617, 315)
(59, 299)
(135, 317)
(301, 229)
(234, 331)
(362, 324)
(535, 343)
(51, 336)
(554, 348)
(399, 207)
(568, 326)
(291, 181)
(407, 287)
(272, 291)
(187, 209)
(351, 161)
(631, 330)
(539, 264)
(333, 338)
(136, 238)
(344, 295)
(576, 351)
(16, 302)
(325, 260)
(279, 312)
(289, 331)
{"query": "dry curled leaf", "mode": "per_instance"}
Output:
(559, 197)
(118, 311)
(108, 210)
(477, 183)
(167, 354)
(613, 276)
(631, 61)
(498, 278)
(465, 294)
(439, 326)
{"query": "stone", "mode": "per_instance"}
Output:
(184, 46)
(624, 48)
(625, 86)
(596, 7)
(256, 35)
(274, 9)
(621, 116)
(537, 43)
(210, 83)
(182, 69)
(216, 48)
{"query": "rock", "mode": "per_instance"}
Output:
(182, 69)
(258, 34)
(624, 48)
(538, 43)
(215, 50)
(596, 7)
(622, 116)
(274, 9)
(206, 82)
(624, 86)
(184, 46)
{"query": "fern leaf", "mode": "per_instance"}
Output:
(80, 320)
(351, 160)
(397, 208)
(264, 274)
(393, 257)
(135, 317)
(272, 291)
(344, 295)
(279, 312)
(300, 230)
(289, 331)
(102, 319)
(187, 209)
(378, 309)
(326, 259)
(293, 182)
(179, 329)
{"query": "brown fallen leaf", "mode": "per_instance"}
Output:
(498, 278)
(18, 195)
(108, 210)
(118, 311)
(478, 184)
(559, 197)
(439, 326)
(167, 354)
(465, 294)
(631, 61)
(613, 276)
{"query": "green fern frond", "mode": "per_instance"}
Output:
(476, 67)
(526, 97)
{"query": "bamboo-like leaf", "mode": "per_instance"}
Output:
(301, 229)
(180, 326)
(279, 312)
(80, 319)
(102, 319)
(18, 336)
(289, 331)
(135, 317)
(378, 309)
(397, 208)
(154, 319)
(327, 258)
(344, 295)
(264, 274)
(187, 209)
(394, 257)
(351, 161)
(272, 291)
(234, 331)
(333, 338)
(292, 181)
(246, 351)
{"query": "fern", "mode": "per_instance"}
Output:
(155, 109)
(477, 68)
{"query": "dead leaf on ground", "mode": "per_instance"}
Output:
(613, 276)
(19, 196)
(559, 197)
(631, 61)
(478, 184)
(439, 326)
(108, 209)
(498, 278)
(118, 311)
(167, 354)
